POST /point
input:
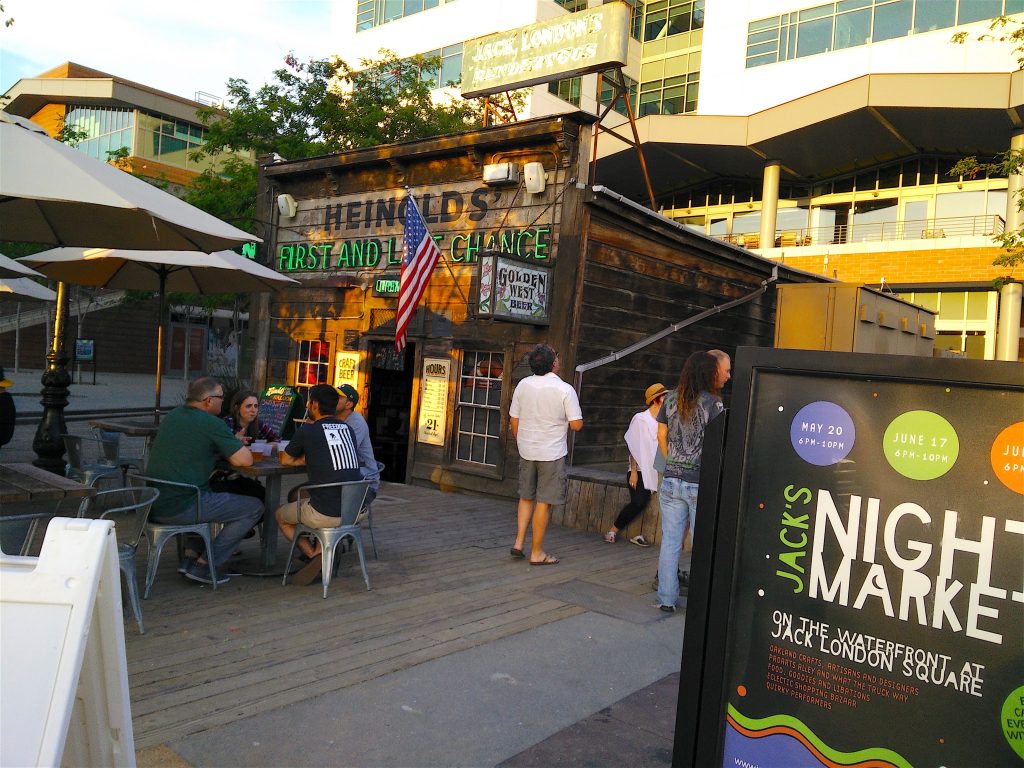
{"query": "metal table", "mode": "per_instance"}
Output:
(131, 427)
(271, 470)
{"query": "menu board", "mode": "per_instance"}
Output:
(279, 405)
(870, 596)
(434, 400)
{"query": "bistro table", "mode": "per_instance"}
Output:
(270, 469)
(131, 427)
(25, 482)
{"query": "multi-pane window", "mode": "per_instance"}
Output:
(450, 70)
(636, 16)
(568, 90)
(665, 18)
(107, 129)
(478, 431)
(573, 5)
(607, 93)
(670, 96)
(170, 141)
(849, 23)
(373, 13)
(314, 363)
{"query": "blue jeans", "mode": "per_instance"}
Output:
(238, 515)
(678, 510)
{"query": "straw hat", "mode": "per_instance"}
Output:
(654, 391)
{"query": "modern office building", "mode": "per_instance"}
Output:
(819, 134)
(158, 131)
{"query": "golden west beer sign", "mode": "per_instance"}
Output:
(589, 41)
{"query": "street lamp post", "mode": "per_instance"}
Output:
(48, 442)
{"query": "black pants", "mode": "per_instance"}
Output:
(638, 499)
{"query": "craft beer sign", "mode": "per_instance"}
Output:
(874, 508)
(566, 46)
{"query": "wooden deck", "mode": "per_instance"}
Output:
(444, 583)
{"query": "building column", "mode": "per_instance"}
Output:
(1008, 335)
(769, 203)
(1014, 184)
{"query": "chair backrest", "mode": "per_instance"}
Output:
(350, 501)
(134, 477)
(135, 499)
(105, 451)
(110, 444)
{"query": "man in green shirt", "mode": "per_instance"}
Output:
(188, 445)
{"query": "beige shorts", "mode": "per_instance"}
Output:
(543, 481)
(291, 513)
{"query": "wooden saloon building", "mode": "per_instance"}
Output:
(531, 253)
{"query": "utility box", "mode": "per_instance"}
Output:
(851, 318)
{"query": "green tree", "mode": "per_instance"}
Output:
(325, 105)
(1002, 29)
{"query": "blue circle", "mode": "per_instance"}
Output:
(822, 433)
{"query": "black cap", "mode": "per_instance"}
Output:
(350, 392)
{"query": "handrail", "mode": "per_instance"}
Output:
(38, 316)
(988, 225)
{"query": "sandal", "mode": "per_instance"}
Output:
(516, 553)
(610, 537)
(548, 560)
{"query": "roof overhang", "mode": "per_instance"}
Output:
(857, 124)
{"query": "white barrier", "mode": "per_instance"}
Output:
(63, 671)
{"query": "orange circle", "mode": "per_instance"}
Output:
(1007, 457)
(741, 690)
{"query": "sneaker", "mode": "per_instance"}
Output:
(610, 537)
(667, 608)
(640, 541)
(185, 564)
(201, 573)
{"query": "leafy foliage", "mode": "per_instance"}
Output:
(325, 105)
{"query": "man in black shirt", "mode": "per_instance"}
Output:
(7, 410)
(327, 448)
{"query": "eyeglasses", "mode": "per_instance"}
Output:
(212, 397)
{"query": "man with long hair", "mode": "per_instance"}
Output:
(543, 409)
(681, 423)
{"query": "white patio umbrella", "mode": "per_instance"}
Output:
(22, 287)
(160, 271)
(53, 194)
(11, 268)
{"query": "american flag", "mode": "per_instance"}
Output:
(421, 255)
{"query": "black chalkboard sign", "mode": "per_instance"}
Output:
(279, 405)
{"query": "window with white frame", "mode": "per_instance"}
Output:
(478, 426)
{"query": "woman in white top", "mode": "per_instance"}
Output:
(642, 441)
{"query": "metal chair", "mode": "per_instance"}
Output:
(124, 462)
(351, 496)
(369, 514)
(158, 534)
(89, 470)
(136, 500)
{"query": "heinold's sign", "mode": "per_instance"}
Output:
(364, 232)
(873, 509)
(587, 41)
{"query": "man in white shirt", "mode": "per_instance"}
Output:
(543, 409)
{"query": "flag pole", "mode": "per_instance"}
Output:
(444, 260)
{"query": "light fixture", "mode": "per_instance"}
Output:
(286, 205)
(497, 174)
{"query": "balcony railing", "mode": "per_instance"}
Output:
(921, 229)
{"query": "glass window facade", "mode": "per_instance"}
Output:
(849, 23)
(171, 141)
(664, 18)
(607, 93)
(573, 5)
(107, 129)
(669, 96)
(568, 90)
(373, 13)
(478, 428)
(450, 70)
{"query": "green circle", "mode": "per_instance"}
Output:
(1012, 720)
(921, 445)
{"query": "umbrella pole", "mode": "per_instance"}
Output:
(48, 442)
(160, 344)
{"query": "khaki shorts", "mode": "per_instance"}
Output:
(291, 513)
(542, 481)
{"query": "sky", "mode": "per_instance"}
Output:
(181, 48)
